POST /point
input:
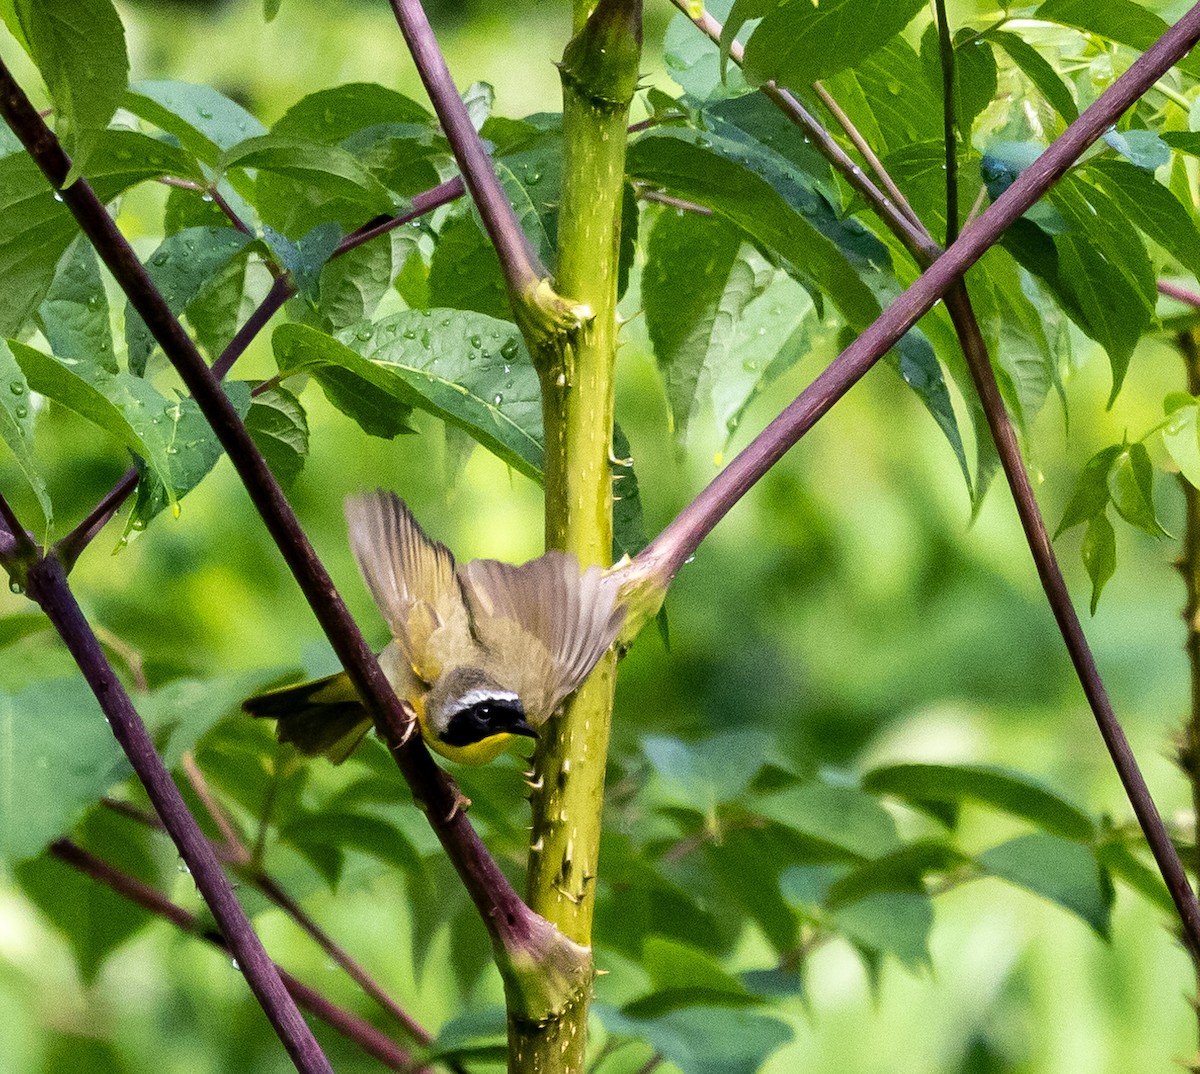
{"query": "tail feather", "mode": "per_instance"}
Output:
(322, 717)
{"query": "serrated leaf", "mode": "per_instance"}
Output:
(205, 121)
(1012, 792)
(629, 528)
(1150, 207)
(36, 229)
(57, 757)
(1091, 493)
(16, 426)
(1181, 437)
(74, 316)
(1099, 552)
(277, 422)
(182, 267)
(681, 164)
(798, 43)
(1131, 486)
(1039, 71)
(843, 817)
(1062, 871)
(79, 48)
(1124, 21)
(704, 1040)
(468, 369)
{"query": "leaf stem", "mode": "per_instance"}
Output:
(350, 1025)
(509, 921)
(48, 586)
(1180, 294)
(949, 119)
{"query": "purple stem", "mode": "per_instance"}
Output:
(508, 919)
(522, 270)
(1180, 294)
(423, 203)
(48, 586)
(351, 1026)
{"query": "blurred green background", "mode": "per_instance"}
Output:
(848, 605)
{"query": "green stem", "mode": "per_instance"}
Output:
(599, 74)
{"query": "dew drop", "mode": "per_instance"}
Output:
(234, 963)
(509, 351)
(16, 387)
(476, 342)
(498, 399)
(364, 333)
(15, 587)
(58, 195)
(138, 524)
(160, 258)
(21, 411)
(183, 866)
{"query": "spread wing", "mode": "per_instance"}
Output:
(412, 578)
(545, 622)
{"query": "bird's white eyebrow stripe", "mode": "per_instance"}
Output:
(474, 697)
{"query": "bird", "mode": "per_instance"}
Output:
(484, 652)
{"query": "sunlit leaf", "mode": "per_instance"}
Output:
(1181, 437)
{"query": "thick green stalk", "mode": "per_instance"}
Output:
(599, 74)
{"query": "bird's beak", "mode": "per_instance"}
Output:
(521, 727)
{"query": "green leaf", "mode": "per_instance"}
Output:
(1151, 207)
(205, 121)
(1011, 792)
(215, 313)
(173, 441)
(331, 115)
(271, 9)
(681, 163)
(36, 229)
(629, 528)
(677, 967)
(975, 73)
(1062, 871)
(798, 43)
(352, 285)
(694, 62)
(1091, 493)
(919, 169)
(74, 316)
(1145, 149)
(57, 756)
(1181, 437)
(704, 1040)
(1124, 21)
(843, 817)
(306, 258)
(183, 447)
(182, 267)
(95, 920)
(1131, 486)
(918, 367)
(468, 369)
(706, 773)
(16, 426)
(333, 834)
(1099, 552)
(1104, 271)
(277, 422)
(465, 272)
(694, 288)
(480, 1034)
(1119, 860)
(325, 183)
(890, 922)
(79, 48)
(1039, 71)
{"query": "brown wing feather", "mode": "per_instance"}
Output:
(411, 577)
(546, 623)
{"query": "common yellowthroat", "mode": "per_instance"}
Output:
(484, 652)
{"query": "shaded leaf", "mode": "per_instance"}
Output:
(890, 922)
(1131, 486)
(1099, 552)
(704, 1040)
(843, 817)
(1062, 871)
(1124, 21)
(1091, 493)
(705, 773)
(1000, 788)
(306, 258)
(1145, 149)
(694, 62)
(277, 422)
(74, 316)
